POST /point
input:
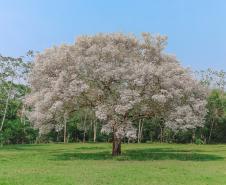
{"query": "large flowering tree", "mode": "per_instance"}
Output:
(119, 77)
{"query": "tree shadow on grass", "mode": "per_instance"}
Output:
(141, 155)
(38, 147)
(90, 148)
(22, 147)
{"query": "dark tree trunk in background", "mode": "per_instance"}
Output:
(211, 130)
(161, 134)
(94, 130)
(65, 128)
(84, 128)
(140, 131)
(84, 137)
(193, 136)
(65, 133)
(57, 137)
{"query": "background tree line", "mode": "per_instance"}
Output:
(84, 127)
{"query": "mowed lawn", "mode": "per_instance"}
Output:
(92, 164)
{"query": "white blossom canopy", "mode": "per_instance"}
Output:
(121, 78)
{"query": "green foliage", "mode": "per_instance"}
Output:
(16, 129)
(216, 117)
(199, 141)
(15, 132)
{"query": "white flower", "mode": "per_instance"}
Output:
(159, 98)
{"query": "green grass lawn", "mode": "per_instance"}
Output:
(92, 164)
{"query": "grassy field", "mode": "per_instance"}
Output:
(92, 164)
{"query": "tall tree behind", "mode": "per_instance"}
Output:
(12, 71)
(215, 80)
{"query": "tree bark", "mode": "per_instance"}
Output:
(65, 128)
(116, 145)
(94, 131)
(161, 134)
(57, 137)
(138, 135)
(193, 136)
(84, 137)
(6, 108)
(211, 130)
(84, 127)
(140, 131)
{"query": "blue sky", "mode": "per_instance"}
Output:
(196, 28)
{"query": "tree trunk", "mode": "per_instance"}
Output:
(138, 134)
(116, 145)
(5, 110)
(193, 136)
(84, 127)
(203, 137)
(57, 137)
(23, 121)
(65, 128)
(94, 131)
(211, 130)
(84, 137)
(140, 130)
(161, 134)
